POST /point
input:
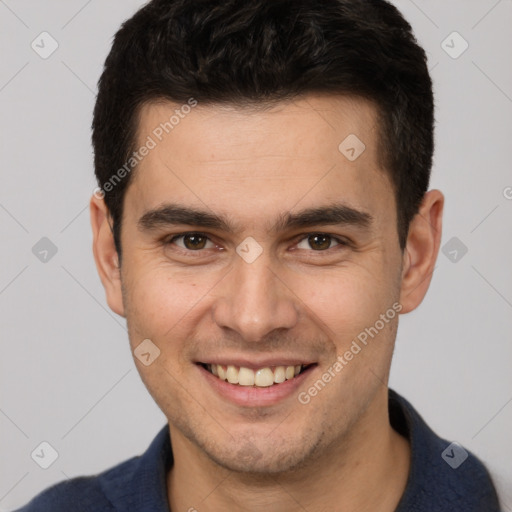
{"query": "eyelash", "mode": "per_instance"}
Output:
(340, 241)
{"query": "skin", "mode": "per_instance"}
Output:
(252, 166)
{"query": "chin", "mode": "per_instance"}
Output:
(263, 456)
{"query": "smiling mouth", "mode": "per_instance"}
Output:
(260, 377)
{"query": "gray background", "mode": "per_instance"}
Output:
(67, 376)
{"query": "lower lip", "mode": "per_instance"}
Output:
(254, 396)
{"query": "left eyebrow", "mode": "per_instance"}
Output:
(175, 214)
(336, 214)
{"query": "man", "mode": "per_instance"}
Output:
(262, 220)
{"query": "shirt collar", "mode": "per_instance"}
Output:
(141, 483)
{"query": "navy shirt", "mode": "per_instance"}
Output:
(437, 482)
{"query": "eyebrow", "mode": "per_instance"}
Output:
(170, 214)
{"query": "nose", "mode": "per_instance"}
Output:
(254, 300)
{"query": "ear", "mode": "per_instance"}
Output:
(420, 253)
(105, 254)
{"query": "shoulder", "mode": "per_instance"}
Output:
(82, 494)
(131, 485)
(444, 476)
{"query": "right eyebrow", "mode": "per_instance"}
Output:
(173, 214)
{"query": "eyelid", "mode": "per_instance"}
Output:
(172, 238)
(344, 242)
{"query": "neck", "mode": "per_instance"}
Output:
(367, 470)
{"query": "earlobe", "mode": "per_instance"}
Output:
(420, 253)
(105, 254)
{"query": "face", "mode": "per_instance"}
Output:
(250, 239)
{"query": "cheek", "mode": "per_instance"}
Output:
(347, 300)
(168, 306)
(163, 308)
(157, 300)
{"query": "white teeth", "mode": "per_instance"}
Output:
(262, 377)
(245, 377)
(221, 372)
(279, 374)
(232, 374)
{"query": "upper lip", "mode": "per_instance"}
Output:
(255, 363)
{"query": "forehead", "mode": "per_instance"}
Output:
(254, 162)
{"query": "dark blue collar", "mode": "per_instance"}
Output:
(141, 482)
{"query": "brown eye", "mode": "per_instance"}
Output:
(318, 242)
(194, 241)
(191, 241)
